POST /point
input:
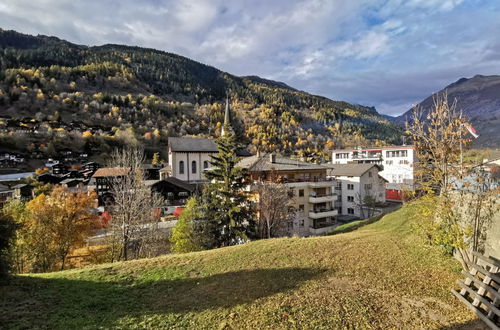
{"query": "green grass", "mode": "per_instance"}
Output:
(380, 276)
(353, 225)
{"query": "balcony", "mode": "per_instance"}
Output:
(369, 156)
(322, 184)
(322, 198)
(322, 213)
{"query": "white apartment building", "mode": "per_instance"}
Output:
(397, 161)
(357, 187)
(188, 158)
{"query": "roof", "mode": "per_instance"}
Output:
(349, 169)
(4, 188)
(179, 183)
(111, 171)
(19, 186)
(374, 148)
(263, 163)
(184, 144)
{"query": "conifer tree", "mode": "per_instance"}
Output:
(228, 218)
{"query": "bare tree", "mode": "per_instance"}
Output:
(275, 208)
(454, 217)
(134, 208)
(366, 205)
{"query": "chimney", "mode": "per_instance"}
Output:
(272, 158)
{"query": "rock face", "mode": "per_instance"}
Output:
(479, 98)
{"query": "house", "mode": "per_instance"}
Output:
(189, 157)
(312, 191)
(398, 165)
(59, 169)
(6, 193)
(23, 191)
(103, 180)
(90, 167)
(151, 171)
(175, 192)
(359, 187)
(49, 178)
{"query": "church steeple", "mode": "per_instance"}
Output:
(227, 118)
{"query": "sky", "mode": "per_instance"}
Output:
(390, 54)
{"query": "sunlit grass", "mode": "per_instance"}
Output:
(379, 276)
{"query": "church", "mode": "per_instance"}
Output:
(189, 157)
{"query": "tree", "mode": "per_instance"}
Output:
(134, 224)
(227, 214)
(7, 234)
(184, 237)
(453, 216)
(65, 219)
(275, 209)
(156, 158)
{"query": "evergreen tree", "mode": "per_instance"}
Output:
(228, 217)
(184, 237)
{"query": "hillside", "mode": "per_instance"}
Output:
(380, 276)
(479, 98)
(142, 95)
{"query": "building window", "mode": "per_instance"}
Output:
(183, 194)
(350, 186)
(368, 186)
(301, 208)
(301, 223)
(193, 166)
(290, 225)
(340, 209)
(301, 192)
(181, 167)
(370, 174)
(350, 198)
(205, 165)
(350, 211)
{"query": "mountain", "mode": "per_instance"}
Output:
(356, 280)
(123, 95)
(479, 98)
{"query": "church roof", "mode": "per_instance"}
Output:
(184, 144)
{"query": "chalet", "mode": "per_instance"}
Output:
(308, 183)
(104, 179)
(6, 193)
(49, 178)
(90, 167)
(175, 192)
(59, 169)
(23, 191)
(359, 187)
(151, 171)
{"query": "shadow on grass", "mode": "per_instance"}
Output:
(354, 225)
(469, 325)
(32, 302)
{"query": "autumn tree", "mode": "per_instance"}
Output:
(452, 215)
(185, 237)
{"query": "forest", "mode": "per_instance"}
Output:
(55, 95)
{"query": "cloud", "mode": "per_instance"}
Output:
(385, 53)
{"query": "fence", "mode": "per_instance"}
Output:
(480, 291)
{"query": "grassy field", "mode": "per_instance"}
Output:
(379, 276)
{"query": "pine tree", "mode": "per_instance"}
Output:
(228, 217)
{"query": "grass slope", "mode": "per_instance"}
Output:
(379, 276)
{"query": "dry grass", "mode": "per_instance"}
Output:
(380, 276)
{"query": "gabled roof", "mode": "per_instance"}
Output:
(184, 144)
(179, 183)
(350, 169)
(263, 164)
(111, 171)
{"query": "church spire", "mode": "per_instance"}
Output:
(227, 118)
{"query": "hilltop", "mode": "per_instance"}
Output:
(380, 276)
(144, 95)
(479, 98)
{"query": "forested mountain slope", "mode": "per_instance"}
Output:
(479, 98)
(122, 94)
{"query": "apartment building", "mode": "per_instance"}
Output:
(359, 189)
(312, 191)
(398, 165)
